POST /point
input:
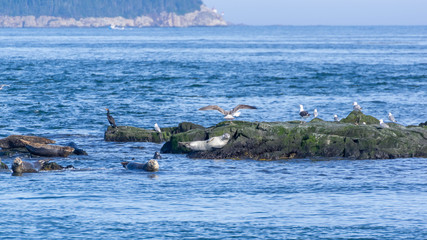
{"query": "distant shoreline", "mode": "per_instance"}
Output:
(203, 17)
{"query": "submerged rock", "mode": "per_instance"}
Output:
(77, 150)
(14, 141)
(283, 140)
(3, 165)
(134, 134)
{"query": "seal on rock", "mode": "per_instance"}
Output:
(211, 143)
(151, 166)
(47, 150)
(15, 141)
(19, 166)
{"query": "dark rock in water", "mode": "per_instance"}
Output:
(3, 165)
(51, 166)
(14, 141)
(283, 140)
(134, 134)
(48, 150)
(150, 166)
(77, 150)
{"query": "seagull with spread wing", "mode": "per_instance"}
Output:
(228, 115)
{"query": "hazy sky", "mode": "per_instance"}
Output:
(323, 12)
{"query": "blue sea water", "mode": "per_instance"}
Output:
(61, 81)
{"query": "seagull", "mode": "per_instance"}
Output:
(315, 113)
(110, 119)
(391, 117)
(356, 107)
(3, 85)
(228, 115)
(383, 124)
(156, 127)
(336, 119)
(302, 113)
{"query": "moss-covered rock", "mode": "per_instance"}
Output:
(357, 117)
(282, 140)
(3, 165)
(134, 134)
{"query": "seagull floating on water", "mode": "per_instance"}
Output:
(303, 113)
(383, 124)
(315, 113)
(228, 115)
(357, 107)
(336, 119)
(391, 117)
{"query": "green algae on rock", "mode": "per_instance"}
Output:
(283, 140)
(134, 134)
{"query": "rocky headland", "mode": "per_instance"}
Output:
(358, 136)
(203, 17)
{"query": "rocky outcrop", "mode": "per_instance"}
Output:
(3, 165)
(203, 17)
(14, 141)
(284, 140)
(134, 134)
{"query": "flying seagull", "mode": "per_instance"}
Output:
(302, 113)
(315, 113)
(336, 119)
(383, 124)
(357, 107)
(228, 115)
(3, 85)
(110, 119)
(391, 117)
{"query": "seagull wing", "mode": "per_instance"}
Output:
(241, 106)
(214, 107)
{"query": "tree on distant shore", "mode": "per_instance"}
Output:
(96, 8)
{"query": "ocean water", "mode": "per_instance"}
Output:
(61, 81)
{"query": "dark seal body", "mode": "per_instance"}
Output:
(150, 166)
(48, 150)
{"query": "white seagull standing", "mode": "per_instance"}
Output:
(228, 115)
(357, 107)
(157, 128)
(302, 113)
(336, 119)
(315, 113)
(391, 117)
(383, 124)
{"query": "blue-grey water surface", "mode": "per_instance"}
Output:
(61, 81)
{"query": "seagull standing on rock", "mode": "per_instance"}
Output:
(357, 107)
(228, 115)
(157, 128)
(383, 124)
(302, 113)
(391, 117)
(336, 119)
(315, 113)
